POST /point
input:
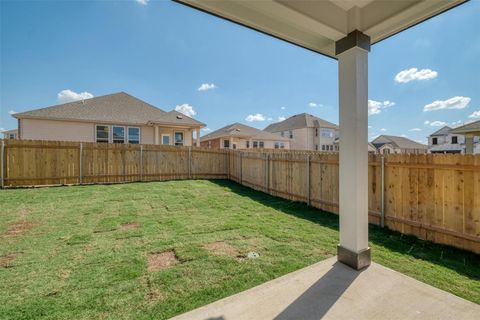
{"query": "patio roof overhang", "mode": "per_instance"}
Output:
(317, 25)
(343, 30)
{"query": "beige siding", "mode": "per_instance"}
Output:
(241, 143)
(147, 135)
(36, 129)
(187, 135)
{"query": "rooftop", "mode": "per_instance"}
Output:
(469, 127)
(242, 131)
(119, 108)
(399, 142)
(298, 121)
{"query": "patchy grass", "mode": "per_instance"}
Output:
(84, 252)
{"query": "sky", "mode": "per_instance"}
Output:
(175, 57)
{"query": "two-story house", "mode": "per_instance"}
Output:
(444, 141)
(306, 132)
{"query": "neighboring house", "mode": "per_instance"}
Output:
(114, 118)
(10, 134)
(307, 132)
(371, 147)
(444, 141)
(394, 144)
(240, 136)
(471, 131)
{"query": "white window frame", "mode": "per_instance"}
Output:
(182, 143)
(169, 140)
(139, 134)
(109, 133)
(124, 133)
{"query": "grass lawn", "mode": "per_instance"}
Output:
(88, 252)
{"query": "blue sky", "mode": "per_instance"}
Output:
(163, 52)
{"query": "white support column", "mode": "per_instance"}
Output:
(156, 140)
(197, 142)
(352, 53)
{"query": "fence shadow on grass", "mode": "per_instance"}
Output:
(463, 262)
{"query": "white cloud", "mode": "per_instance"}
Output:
(142, 2)
(457, 102)
(12, 112)
(281, 118)
(258, 117)
(207, 86)
(475, 115)
(383, 129)
(415, 129)
(438, 123)
(186, 109)
(404, 135)
(206, 129)
(269, 119)
(2, 129)
(369, 127)
(427, 122)
(375, 107)
(283, 108)
(415, 74)
(68, 95)
(312, 104)
(455, 123)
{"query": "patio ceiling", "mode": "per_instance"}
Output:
(317, 25)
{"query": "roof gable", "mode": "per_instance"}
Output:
(298, 121)
(242, 131)
(397, 142)
(441, 132)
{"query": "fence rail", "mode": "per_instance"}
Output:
(434, 197)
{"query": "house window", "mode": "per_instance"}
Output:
(102, 133)
(179, 138)
(454, 140)
(118, 134)
(11, 136)
(255, 144)
(134, 135)
(326, 133)
(248, 144)
(323, 147)
(282, 145)
(282, 134)
(434, 140)
(316, 147)
(226, 144)
(290, 134)
(277, 145)
(234, 146)
(316, 132)
(261, 144)
(166, 139)
(386, 151)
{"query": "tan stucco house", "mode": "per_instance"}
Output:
(386, 144)
(307, 132)
(240, 136)
(113, 118)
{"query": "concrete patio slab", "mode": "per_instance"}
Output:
(331, 290)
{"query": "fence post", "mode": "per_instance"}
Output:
(189, 162)
(382, 212)
(80, 164)
(308, 180)
(141, 163)
(3, 165)
(241, 167)
(266, 172)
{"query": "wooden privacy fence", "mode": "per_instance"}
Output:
(434, 197)
(29, 163)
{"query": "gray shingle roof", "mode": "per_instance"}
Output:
(119, 108)
(442, 132)
(469, 127)
(242, 131)
(298, 121)
(399, 142)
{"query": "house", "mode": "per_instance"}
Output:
(240, 136)
(307, 132)
(471, 131)
(10, 134)
(444, 141)
(393, 144)
(371, 147)
(113, 118)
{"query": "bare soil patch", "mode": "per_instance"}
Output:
(129, 226)
(19, 228)
(221, 248)
(161, 260)
(7, 261)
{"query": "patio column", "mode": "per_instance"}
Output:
(468, 144)
(156, 135)
(197, 142)
(352, 52)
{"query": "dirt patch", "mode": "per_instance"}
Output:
(129, 226)
(19, 228)
(161, 260)
(221, 248)
(7, 261)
